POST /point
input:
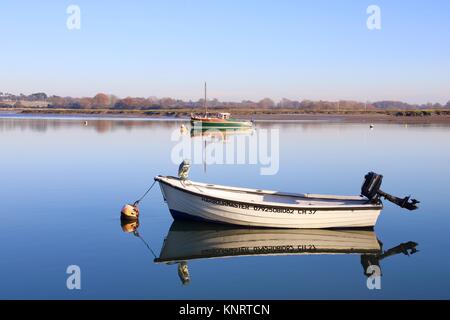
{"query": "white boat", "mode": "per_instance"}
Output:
(263, 208)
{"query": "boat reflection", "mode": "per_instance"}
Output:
(367, 260)
(188, 240)
(219, 134)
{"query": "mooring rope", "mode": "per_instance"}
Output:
(137, 202)
(146, 244)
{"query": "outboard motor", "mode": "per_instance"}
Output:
(371, 190)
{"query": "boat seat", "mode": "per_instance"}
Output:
(275, 198)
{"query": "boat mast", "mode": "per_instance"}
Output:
(206, 107)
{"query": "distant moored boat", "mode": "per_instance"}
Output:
(219, 120)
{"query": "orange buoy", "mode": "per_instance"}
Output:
(130, 212)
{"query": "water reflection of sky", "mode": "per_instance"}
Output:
(63, 184)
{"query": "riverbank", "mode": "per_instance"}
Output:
(378, 116)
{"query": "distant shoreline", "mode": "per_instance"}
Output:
(379, 116)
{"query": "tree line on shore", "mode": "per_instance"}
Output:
(104, 101)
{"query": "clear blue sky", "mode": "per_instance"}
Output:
(246, 49)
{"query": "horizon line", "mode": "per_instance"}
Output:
(436, 101)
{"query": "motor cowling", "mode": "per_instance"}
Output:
(371, 186)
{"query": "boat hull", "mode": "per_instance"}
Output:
(206, 124)
(187, 205)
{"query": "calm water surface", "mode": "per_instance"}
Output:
(64, 183)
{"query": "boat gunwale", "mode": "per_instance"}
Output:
(225, 124)
(214, 119)
(368, 206)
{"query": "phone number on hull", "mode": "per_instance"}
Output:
(260, 208)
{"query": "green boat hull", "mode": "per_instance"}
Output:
(227, 124)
